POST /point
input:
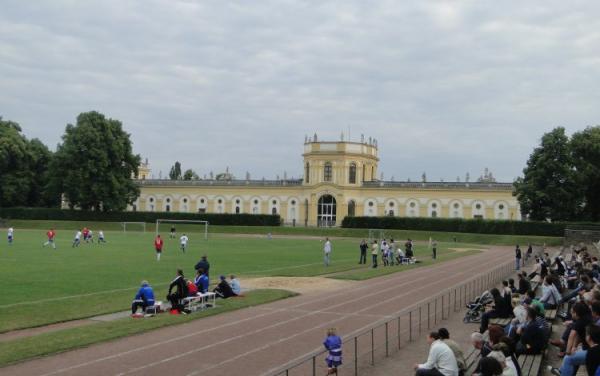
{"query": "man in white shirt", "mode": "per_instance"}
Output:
(77, 239)
(441, 360)
(183, 240)
(11, 233)
(326, 251)
(101, 237)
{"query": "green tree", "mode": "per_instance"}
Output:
(175, 173)
(23, 168)
(94, 164)
(549, 189)
(190, 174)
(585, 148)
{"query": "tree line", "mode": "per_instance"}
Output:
(91, 168)
(561, 181)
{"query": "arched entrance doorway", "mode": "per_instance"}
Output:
(326, 211)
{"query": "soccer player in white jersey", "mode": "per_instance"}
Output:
(77, 239)
(11, 234)
(101, 237)
(183, 240)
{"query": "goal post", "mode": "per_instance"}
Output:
(183, 221)
(124, 225)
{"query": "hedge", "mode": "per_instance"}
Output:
(478, 226)
(151, 217)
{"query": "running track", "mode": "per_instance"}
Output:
(255, 340)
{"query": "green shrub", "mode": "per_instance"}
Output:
(478, 226)
(151, 217)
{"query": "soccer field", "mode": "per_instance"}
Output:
(42, 285)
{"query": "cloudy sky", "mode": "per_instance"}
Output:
(446, 87)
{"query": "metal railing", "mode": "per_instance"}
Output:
(364, 347)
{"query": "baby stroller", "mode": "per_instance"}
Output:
(476, 307)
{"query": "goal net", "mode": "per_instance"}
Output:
(133, 226)
(376, 234)
(186, 225)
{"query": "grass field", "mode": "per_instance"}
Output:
(73, 283)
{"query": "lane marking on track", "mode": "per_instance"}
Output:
(311, 313)
(204, 330)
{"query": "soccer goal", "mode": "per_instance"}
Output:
(376, 234)
(183, 221)
(133, 226)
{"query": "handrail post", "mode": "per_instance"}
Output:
(419, 319)
(410, 326)
(448, 305)
(399, 333)
(428, 315)
(387, 351)
(355, 356)
(314, 365)
(372, 347)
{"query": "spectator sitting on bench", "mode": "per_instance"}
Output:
(144, 298)
(550, 295)
(506, 370)
(235, 285)
(191, 287)
(201, 281)
(575, 335)
(441, 360)
(495, 333)
(524, 284)
(490, 366)
(480, 344)
(532, 335)
(507, 347)
(223, 290)
(511, 285)
(180, 292)
(455, 347)
(500, 309)
(592, 359)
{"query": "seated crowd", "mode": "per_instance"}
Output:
(181, 288)
(574, 285)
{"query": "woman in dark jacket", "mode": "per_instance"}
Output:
(500, 309)
(181, 291)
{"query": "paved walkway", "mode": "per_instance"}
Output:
(255, 340)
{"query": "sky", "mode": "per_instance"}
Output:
(445, 87)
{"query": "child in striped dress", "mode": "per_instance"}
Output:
(333, 343)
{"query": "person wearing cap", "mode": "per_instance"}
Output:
(201, 281)
(144, 298)
(223, 290)
(204, 265)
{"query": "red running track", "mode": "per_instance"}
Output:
(255, 340)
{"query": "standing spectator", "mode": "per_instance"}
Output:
(235, 285)
(434, 249)
(384, 252)
(392, 251)
(172, 233)
(50, 234)
(11, 234)
(333, 344)
(204, 265)
(326, 252)
(180, 292)
(529, 252)
(158, 246)
(374, 253)
(455, 347)
(441, 360)
(408, 247)
(144, 298)
(518, 257)
(363, 252)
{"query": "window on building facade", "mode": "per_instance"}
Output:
(327, 172)
(352, 174)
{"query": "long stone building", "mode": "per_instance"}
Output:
(340, 179)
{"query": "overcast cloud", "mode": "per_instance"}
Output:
(445, 87)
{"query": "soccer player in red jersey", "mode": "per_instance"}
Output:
(158, 245)
(50, 234)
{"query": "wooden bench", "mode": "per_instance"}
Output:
(530, 364)
(551, 314)
(500, 321)
(200, 301)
